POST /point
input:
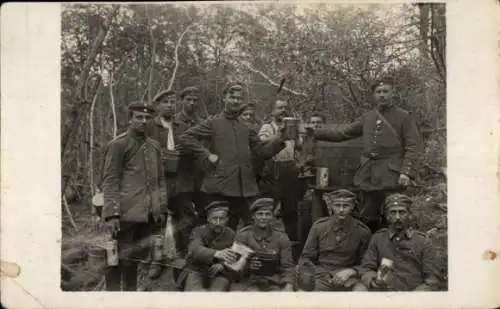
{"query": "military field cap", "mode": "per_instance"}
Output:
(189, 91)
(141, 107)
(248, 106)
(162, 95)
(382, 82)
(217, 205)
(264, 202)
(340, 196)
(232, 86)
(397, 199)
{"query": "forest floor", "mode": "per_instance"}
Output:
(82, 270)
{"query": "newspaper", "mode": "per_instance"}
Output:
(243, 252)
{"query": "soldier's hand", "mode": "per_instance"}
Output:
(113, 226)
(377, 284)
(226, 255)
(254, 263)
(342, 276)
(403, 180)
(215, 269)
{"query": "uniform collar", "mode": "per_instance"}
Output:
(337, 225)
(260, 234)
(407, 233)
(182, 116)
(136, 135)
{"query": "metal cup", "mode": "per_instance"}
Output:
(291, 128)
(384, 269)
(322, 177)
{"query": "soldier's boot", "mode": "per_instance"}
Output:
(130, 276)
(113, 277)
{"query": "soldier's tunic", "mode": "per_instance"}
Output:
(413, 256)
(135, 192)
(332, 247)
(271, 241)
(385, 155)
(232, 178)
(183, 184)
(203, 244)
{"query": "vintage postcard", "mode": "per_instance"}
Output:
(250, 154)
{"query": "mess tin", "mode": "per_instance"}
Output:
(171, 160)
(291, 128)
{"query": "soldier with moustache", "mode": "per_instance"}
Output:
(209, 249)
(227, 146)
(407, 253)
(391, 146)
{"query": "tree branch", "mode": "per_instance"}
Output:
(266, 77)
(153, 56)
(176, 52)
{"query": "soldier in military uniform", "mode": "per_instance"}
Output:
(336, 244)
(271, 266)
(135, 198)
(391, 149)
(208, 250)
(412, 258)
(227, 146)
(182, 174)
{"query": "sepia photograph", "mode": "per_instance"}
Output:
(259, 147)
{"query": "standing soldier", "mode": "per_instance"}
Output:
(225, 145)
(399, 258)
(336, 244)
(284, 185)
(271, 266)
(391, 149)
(208, 250)
(182, 176)
(135, 199)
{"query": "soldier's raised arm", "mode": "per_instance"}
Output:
(350, 131)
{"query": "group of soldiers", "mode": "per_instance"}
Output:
(225, 179)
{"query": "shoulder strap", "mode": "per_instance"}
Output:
(389, 126)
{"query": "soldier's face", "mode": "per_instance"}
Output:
(280, 109)
(383, 94)
(341, 209)
(233, 101)
(217, 220)
(316, 122)
(263, 217)
(167, 106)
(189, 102)
(248, 115)
(397, 217)
(140, 121)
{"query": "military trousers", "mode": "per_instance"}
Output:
(134, 246)
(200, 282)
(323, 283)
(371, 208)
(187, 214)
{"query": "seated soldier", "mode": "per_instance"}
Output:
(336, 244)
(399, 258)
(208, 250)
(270, 268)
